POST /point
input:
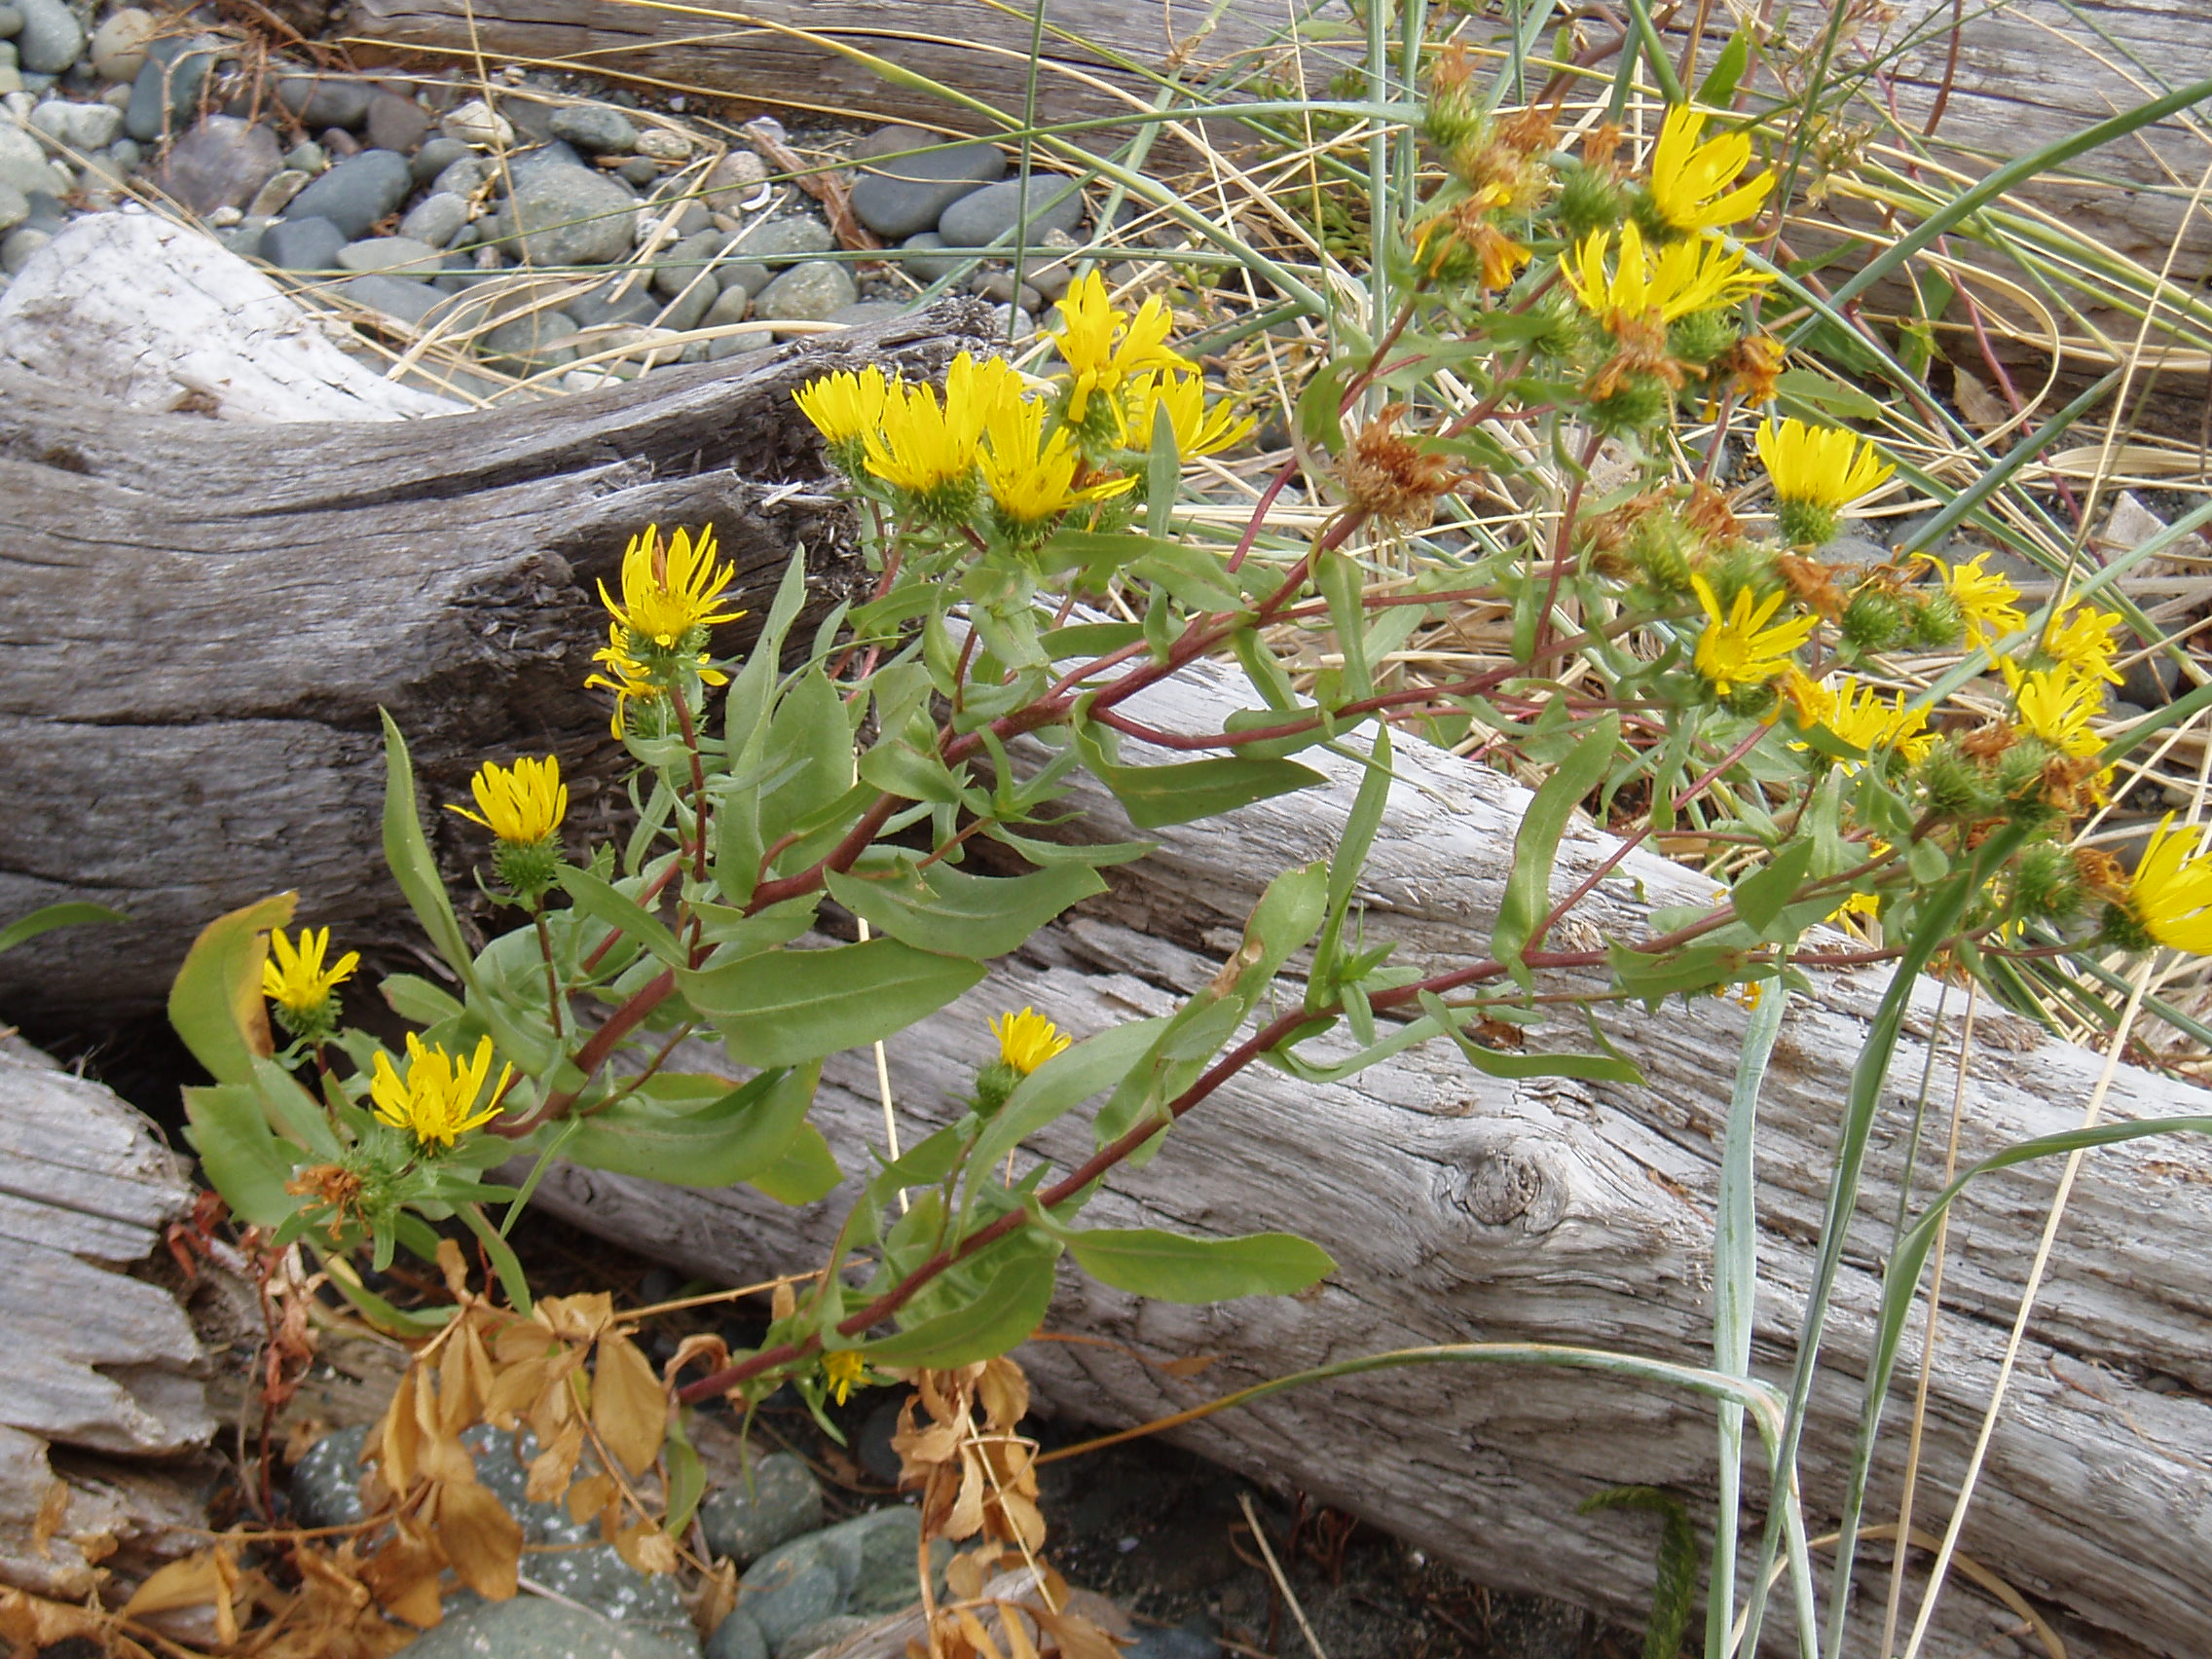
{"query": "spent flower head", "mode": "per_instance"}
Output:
(435, 1102)
(293, 978)
(1739, 647)
(1694, 186)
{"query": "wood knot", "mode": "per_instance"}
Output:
(1509, 1181)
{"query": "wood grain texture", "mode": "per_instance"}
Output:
(104, 1369)
(1462, 1208)
(200, 619)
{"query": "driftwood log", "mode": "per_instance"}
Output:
(2027, 73)
(103, 1408)
(202, 616)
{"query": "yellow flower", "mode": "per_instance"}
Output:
(1821, 466)
(1857, 715)
(1031, 476)
(841, 1370)
(1673, 280)
(1103, 345)
(1693, 185)
(2171, 895)
(1199, 429)
(1027, 1040)
(669, 591)
(2057, 705)
(1740, 648)
(297, 979)
(1986, 600)
(928, 447)
(2082, 641)
(433, 1101)
(845, 407)
(522, 806)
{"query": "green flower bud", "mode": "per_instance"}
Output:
(2045, 882)
(316, 1024)
(1703, 336)
(1562, 329)
(1750, 701)
(1954, 786)
(1806, 524)
(1661, 546)
(526, 868)
(995, 1083)
(1934, 622)
(1873, 620)
(2122, 930)
(1589, 201)
(1637, 405)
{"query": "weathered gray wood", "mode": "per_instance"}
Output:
(102, 1365)
(1460, 1208)
(200, 619)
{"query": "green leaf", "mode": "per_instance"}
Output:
(745, 707)
(810, 756)
(687, 1475)
(1156, 796)
(1352, 848)
(407, 850)
(1191, 576)
(1719, 83)
(504, 1262)
(897, 768)
(1529, 888)
(602, 902)
(1171, 1266)
(1343, 584)
(238, 1152)
(419, 1002)
(1063, 1083)
(1003, 1316)
(1096, 854)
(807, 1170)
(791, 1006)
(741, 1136)
(70, 913)
(215, 1001)
(1759, 897)
(1090, 640)
(949, 910)
(1504, 1063)
(1815, 393)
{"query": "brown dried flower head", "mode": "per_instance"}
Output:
(1389, 477)
(1812, 584)
(1988, 742)
(2101, 873)
(1708, 514)
(1754, 363)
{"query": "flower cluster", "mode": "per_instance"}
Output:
(673, 597)
(996, 454)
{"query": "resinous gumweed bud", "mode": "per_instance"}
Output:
(1588, 201)
(1955, 785)
(2046, 882)
(1639, 403)
(1703, 336)
(1874, 620)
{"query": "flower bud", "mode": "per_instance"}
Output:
(527, 868)
(1639, 403)
(1807, 523)
(1954, 786)
(1873, 620)
(2045, 883)
(1700, 337)
(1589, 201)
(1934, 622)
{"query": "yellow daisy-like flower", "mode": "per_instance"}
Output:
(2171, 895)
(1104, 346)
(668, 590)
(1027, 1040)
(1674, 281)
(1738, 648)
(296, 978)
(841, 1370)
(435, 1102)
(1821, 466)
(1693, 185)
(1031, 475)
(927, 446)
(1986, 598)
(2057, 705)
(633, 682)
(1198, 429)
(845, 407)
(522, 805)
(1857, 715)
(2082, 640)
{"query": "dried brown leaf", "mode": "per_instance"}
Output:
(1004, 1393)
(402, 1576)
(629, 1407)
(514, 1390)
(782, 1301)
(204, 1578)
(978, 1639)
(1075, 1636)
(646, 1547)
(575, 1318)
(53, 1507)
(591, 1495)
(553, 1468)
(482, 1540)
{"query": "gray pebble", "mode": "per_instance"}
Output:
(1192, 1639)
(860, 313)
(127, 154)
(532, 1628)
(616, 302)
(118, 43)
(603, 1581)
(679, 267)
(594, 128)
(919, 255)
(8, 60)
(540, 158)
(905, 194)
(47, 212)
(689, 308)
(571, 216)
(807, 293)
(243, 239)
(307, 157)
(324, 100)
(221, 162)
(15, 207)
(49, 37)
(999, 285)
(821, 1635)
(463, 177)
(358, 192)
(782, 1498)
(326, 1482)
(83, 127)
(339, 143)
(10, 19)
(23, 160)
(399, 255)
(398, 123)
(1051, 278)
(733, 181)
(796, 1586)
(1009, 323)
(530, 342)
(436, 219)
(21, 242)
(303, 243)
(639, 171)
(271, 198)
(435, 156)
(166, 88)
(737, 1636)
(977, 220)
(393, 296)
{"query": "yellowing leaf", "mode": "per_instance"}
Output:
(646, 1547)
(482, 1540)
(629, 1408)
(552, 1469)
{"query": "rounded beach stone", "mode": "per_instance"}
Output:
(15, 207)
(84, 127)
(530, 1627)
(398, 123)
(920, 256)
(594, 128)
(118, 43)
(326, 1482)
(538, 341)
(50, 36)
(679, 267)
(358, 192)
(436, 219)
(221, 162)
(663, 144)
(862, 311)
(737, 1636)
(435, 156)
(617, 302)
(782, 1498)
(303, 243)
(167, 88)
(11, 21)
(477, 124)
(978, 219)
(393, 296)
(733, 181)
(807, 293)
(399, 255)
(903, 194)
(318, 101)
(571, 216)
(783, 242)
